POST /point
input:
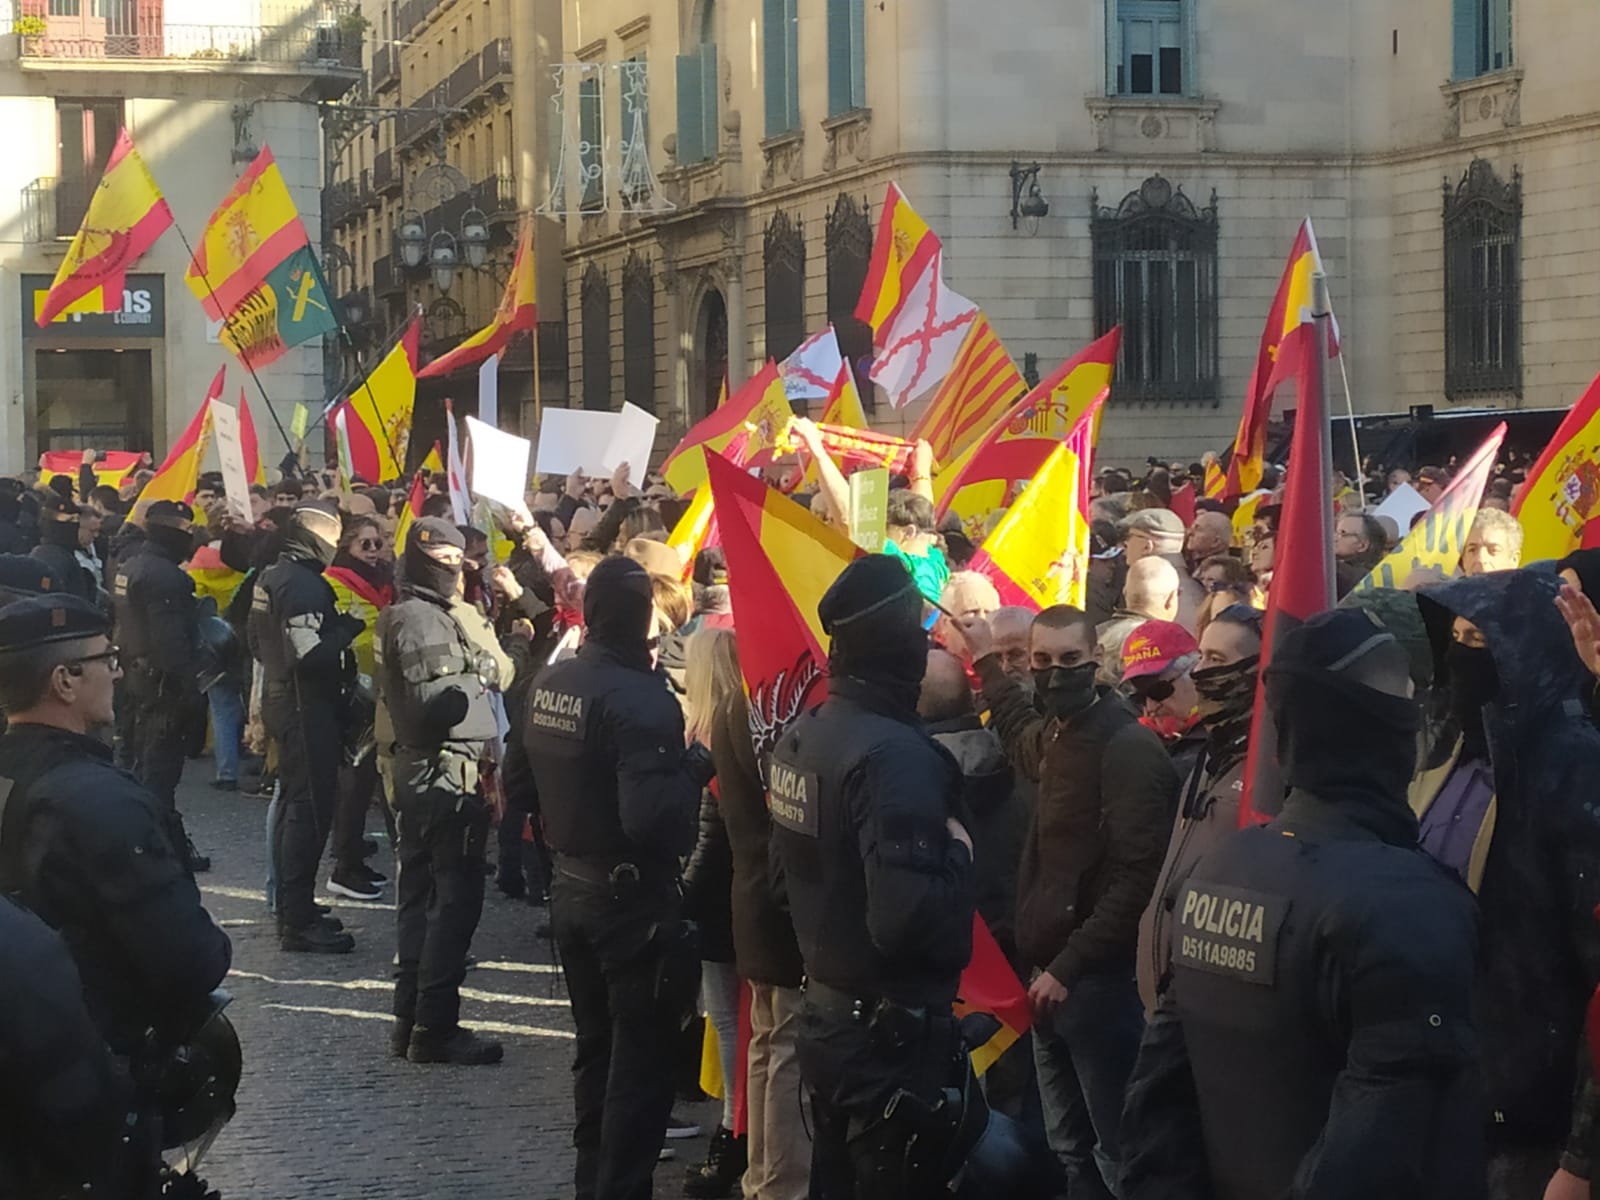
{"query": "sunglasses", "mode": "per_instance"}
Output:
(111, 656)
(1146, 690)
(369, 543)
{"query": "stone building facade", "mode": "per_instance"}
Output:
(201, 87)
(1446, 151)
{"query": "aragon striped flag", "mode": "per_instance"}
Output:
(254, 270)
(982, 384)
(126, 215)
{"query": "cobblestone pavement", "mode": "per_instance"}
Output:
(324, 1112)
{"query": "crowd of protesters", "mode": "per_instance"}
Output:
(1101, 752)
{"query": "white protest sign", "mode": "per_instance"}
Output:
(489, 391)
(230, 453)
(499, 463)
(1401, 506)
(596, 443)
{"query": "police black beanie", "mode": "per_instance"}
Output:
(873, 614)
(617, 600)
(866, 587)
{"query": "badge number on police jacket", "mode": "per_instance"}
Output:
(1229, 931)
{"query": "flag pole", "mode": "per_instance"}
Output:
(1322, 319)
(226, 321)
(366, 386)
(1355, 444)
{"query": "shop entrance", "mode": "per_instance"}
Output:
(93, 399)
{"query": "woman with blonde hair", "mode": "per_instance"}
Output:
(711, 675)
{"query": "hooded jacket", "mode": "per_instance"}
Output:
(1540, 952)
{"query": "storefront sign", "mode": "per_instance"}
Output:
(143, 313)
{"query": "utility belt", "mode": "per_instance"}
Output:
(893, 1025)
(607, 870)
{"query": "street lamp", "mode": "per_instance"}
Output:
(355, 309)
(475, 238)
(413, 238)
(442, 259)
(1026, 198)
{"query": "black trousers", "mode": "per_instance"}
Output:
(309, 752)
(857, 1151)
(443, 828)
(160, 727)
(627, 1013)
(531, 859)
(356, 786)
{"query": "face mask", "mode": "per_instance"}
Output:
(176, 544)
(1226, 692)
(1474, 682)
(424, 571)
(1065, 691)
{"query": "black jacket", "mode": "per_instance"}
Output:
(1107, 794)
(763, 936)
(298, 636)
(84, 846)
(881, 895)
(66, 572)
(13, 540)
(1316, 1037)
(1541, 946)
(605, 742)
(708, 884)
(152, 600)
(999, 821)
(428, 684)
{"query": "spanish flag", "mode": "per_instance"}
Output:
(255, 470)
(518, 312)
(979, 480)
(982, 384)
(126, 215)
(989, 985)
(1038, 555)
(1291, 307)
(111, 468)
(179, 472)
(377, 413)
(903, 247)
(759, 408)
(1561, 497)
(409, 512)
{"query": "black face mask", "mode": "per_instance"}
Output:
(59, 533)
(425, 571)
(1474, 682)
(887, 650)
(1227, 692)
(1065, 691)
(171, 542)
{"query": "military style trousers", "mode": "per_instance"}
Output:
(309, 752)
(442, 823)
(630, 990)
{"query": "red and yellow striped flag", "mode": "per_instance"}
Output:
(178, 473)
(126, 215)
(518, 312)
(760, 408)
(1560, 502)
(980, 387)
(900, 251)
(409, 512)
(255, 470)
(252, 232)
(377, 413)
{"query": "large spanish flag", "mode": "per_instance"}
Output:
(111, 468)
(1561, 498)
(1291, 307)
(378, 412)
(982, 385)
(126, 214)
(518, 312)
(903, 247)
(178, 473)
(759, 408)
(1038, 555)
(980, 479)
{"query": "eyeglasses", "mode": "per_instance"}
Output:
(111, 656)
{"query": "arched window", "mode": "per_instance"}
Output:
(1483, 283)
(1155, 274)
(638, 333)
(848, 239)
(784, 259)
(596, 305)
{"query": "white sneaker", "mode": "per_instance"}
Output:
(356, 888)
(667, 1154)
(677, 1129)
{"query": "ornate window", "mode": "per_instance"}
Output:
(638, 333)
(1148, 48)
(784, 260)
(1482, 283)
(849, 247)
(1155, 274)
(596, 305)
(1480, 33)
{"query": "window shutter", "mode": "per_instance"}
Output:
(589, 133)
(691, 120)
(791, 63)
(709, 135)
(1500, 57)
(1113, 49)
(774, 64)
(858, 53)
(838, 57)
(1464, 38)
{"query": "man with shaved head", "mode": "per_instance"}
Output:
(1151, 594)
(1211, 533)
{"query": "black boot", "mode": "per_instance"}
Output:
(399, 1037)
(718, 1177)
(459, 1046)
(315, 938)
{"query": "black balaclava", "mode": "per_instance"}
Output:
(423, 571)
(1339, 740)
(168, 528)
(1227, 701)
(313, 534)
(618, 610)
(1064, 692)
(1474, 681)
(873, 613)
(58, 522)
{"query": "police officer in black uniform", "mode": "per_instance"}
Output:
(620, 795)
(434, 695)
(303, 642)
(877, 870)
(82, 843)
(153, 604)
(1315, 1039)
(59, 520)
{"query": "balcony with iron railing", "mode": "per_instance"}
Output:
(54, 208)
(385, 66)
(386, 280)
(495, 62)
(385, 178)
